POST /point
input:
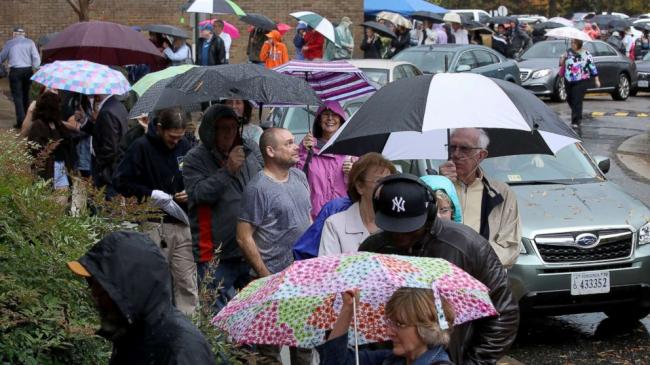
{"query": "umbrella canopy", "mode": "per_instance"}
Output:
(474, 26)
(336, 81)
(101, 42)
(404, 7)
(548, 25)
(568, 33)
(259, 21)
(318, 22)
(166, 29)
(395, 19)
(148, 101)
(603, 20)
(564, 21)
(228, 28)
(642, 26)
(297, 306)
(151, 78)
(83, 77)
(379, 28)
(238, 81)
(215, 7)
(500, 20)
(516, 121)
(620, 24)
(428, 16)
(284, 28)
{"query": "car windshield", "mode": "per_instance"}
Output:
(546, 50)
(570, 164)
(377, 75)
(428, 61)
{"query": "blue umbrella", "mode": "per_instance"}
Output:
(404, 7)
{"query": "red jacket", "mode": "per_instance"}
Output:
(313, 48)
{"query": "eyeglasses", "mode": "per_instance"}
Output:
(396, 324)
(462, 150)
(328, 114)
(444, 210)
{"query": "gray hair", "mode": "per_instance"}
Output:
(483, 139)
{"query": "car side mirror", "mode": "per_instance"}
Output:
(603, 163)
(463, 68)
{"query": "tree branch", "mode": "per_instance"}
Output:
(74, 7)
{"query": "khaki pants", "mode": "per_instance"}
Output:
(175, 242)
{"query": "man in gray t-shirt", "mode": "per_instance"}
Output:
(275, 206)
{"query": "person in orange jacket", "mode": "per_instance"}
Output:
(274, 53)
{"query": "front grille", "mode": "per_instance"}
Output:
(561, 248)
(524, 75)
(644, 76)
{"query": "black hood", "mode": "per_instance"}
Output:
(206, 129)
(134, 273)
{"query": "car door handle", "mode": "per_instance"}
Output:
(499, 69)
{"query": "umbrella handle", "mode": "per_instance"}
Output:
(356, 335)
(448, 142)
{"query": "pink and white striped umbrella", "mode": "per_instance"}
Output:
(335, 80)
(84, 77)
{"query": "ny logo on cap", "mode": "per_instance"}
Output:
(398, 204)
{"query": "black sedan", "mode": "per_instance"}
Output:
(643, 69)
(540, 68)
(461, 58)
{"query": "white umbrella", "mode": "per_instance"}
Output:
(318, 22)
(395, 19)
(564, 21)
(568, 33)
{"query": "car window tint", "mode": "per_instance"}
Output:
(495, 58)
(298, 120)
(593, 50)
(603, 49)
(408, 71)
(483, 58)
(399, 73)
(483, 18)
(467, 59)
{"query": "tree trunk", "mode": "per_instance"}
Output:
(82, 8)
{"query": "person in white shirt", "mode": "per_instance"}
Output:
(460, 34)
(227, 40)
(343, 232)
(427, 35)
(181, 54)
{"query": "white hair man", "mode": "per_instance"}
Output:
(488, 206)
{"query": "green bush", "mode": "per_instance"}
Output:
(46, 314)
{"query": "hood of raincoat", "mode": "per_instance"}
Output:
(121, 257)
(333, 106)
(275, 35)
(206, 130)
(439, 182)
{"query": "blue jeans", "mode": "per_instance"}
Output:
(20, 83)
(229, 275)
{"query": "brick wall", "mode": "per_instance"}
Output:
(40, 17)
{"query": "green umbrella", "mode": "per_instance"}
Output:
(148, 80)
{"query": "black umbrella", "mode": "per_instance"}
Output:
(474, 26)
(547, 25)
(259, 21)
(158, 96)
(603, 20)
(379, 28)
(430, 105)
(427, 15)
(241, 81)
(619, 24)
(500, 20)
(642, 26)
(166, 29)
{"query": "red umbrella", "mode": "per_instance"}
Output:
(102, 42)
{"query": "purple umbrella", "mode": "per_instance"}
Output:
(102, 42)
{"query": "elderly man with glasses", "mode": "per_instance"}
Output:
(489, 207)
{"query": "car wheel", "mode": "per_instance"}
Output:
(628, 314)
(559, 93)
(622, 88)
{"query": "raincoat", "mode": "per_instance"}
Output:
(324, 171)
(157, 332)
(439, 182)
(345, 40)
(275, 53)
(313, 46)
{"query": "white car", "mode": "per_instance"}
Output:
(477, 15)
(382, 72)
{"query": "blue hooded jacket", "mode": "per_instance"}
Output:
(439, 182)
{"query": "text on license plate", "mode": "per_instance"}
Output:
(643, 83)
(590, 282)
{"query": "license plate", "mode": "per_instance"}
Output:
(590, 282)
(643, 83)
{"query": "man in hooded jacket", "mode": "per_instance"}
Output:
(137, 316)
(215, 174)
(405, 210)
(151, 169)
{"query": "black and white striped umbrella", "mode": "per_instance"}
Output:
(410, 119)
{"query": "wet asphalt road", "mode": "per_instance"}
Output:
(592, 338)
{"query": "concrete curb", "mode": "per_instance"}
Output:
(634, 153)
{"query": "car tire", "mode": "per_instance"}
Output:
(623, 87)
(559, 91)
(628, 314)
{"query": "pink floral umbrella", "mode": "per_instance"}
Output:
(297, 306)
(227, 27)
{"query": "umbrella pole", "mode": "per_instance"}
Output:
(448, 142)
(356, 335)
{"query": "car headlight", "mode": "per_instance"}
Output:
(644, 234)
(540, 73)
